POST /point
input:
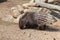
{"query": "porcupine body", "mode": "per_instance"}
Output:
(38, 19)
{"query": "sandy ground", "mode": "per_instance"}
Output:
(11, 31)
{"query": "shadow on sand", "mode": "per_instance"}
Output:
(47, 29)
(1, 1)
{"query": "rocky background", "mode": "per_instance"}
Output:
(11, 31)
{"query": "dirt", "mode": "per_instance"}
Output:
(11, 31)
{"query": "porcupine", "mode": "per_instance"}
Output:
(40, 19)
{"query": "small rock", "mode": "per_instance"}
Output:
(17, 19)
(29, 35)
(45, 34)
(20, 8)
(54, 39)
(15, 12)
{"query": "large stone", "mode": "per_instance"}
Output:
(49, 1)
(52, 1)
(31, 9)
(32, 1)
(26, 5)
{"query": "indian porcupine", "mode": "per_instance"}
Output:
(39, 19)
